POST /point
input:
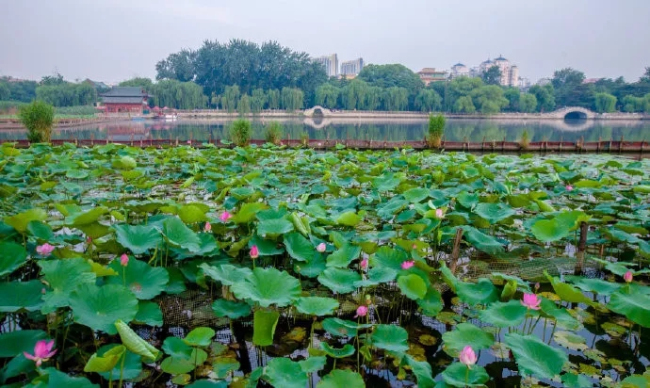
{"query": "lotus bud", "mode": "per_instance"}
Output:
(628, 277)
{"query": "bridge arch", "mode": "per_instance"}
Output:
(317, 111)
(572, 113)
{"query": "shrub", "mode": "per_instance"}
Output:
(10, 107)
(304, 139)
(524, 142)
(38, 118)
(240, 132)
(274, 133)
(436, 130)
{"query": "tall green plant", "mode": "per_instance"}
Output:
(38, 118)
(436, 130)
(240, 132)
(274, 133)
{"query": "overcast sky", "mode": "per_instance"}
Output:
(113, 40)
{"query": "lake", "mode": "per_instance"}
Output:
(472, 130)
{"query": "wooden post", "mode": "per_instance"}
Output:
(620, 145)
(582, 247)
(455, 253)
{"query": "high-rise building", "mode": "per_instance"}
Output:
(459, 70)
(331, 64)
(509, 73)
(352, 68)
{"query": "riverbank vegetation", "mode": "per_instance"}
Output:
(226, 267)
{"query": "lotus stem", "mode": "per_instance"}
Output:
(552, 331)
(122, 369)
(535, 325)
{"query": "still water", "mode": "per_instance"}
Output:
(472, 130)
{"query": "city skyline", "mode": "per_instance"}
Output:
(600, 38)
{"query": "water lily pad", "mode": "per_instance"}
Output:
(559, 227)
(144, 281)
(510, 314)
(534, 357)
(99, 307)
(138, 239)
(459, 375)
(463, 335)
(222, 366)
(149, 314)
(132, 364)
(570, 340)
(19, 341)
(21, 221)
(230, 309)
(15, 296)
(179, 235)
(63, 276)
(12, 257)
(105, 362)
(264, 323)
(349, 219)
(635, 307)
(316, 306)
(481, 292)
(339, 280)
(343, 256)
(412, 286)
(227, 274)
(483, 242)
(201, 336)
(390, 337)
(274, 227)
(341, 379)
(268, 286)
(345, 351)
(494, 212)
(431, 304)
(299, 247)
(282, 372)
(339, 327)
(313, 364)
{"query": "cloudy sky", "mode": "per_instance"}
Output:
(112, 40)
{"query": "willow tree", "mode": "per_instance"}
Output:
(38, 118)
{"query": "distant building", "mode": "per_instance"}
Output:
(429, 75)
(544, 81)
(330, 63)
(96, 84)
(524, 83)
(352, 68)
(592, 80)
(509, 73)
(125, 99)
(459, 70)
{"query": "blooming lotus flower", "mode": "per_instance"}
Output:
(42, 352)
(467, 356)
(124, 260)
(531, 301)
(364, 264)
(440, 214)
(45, 249)
(361, 311)
(207, 227)
(321, 247)
(225, 216)
(569, 188)
(628, 277)
(255, 253)
(408, 264)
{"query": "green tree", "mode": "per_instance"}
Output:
(436, 129)
(460, 87)
(388, 76)
(355, 94)
(396, 99)
(428, 101)
(633, 104)
(230, 98)
(492, 76)
(489, 99)
(5, 92)
(292, 99)
(327, 95)
(570, 89)
(545, 96)
(527, 103)
(38, 118)
(513, 95)
(244, 105)
(273, 99)
(374, 98)
(144, 83)
(604, 103)
(258, 100)
(464, 104)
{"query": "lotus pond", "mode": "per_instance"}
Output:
(291, 268)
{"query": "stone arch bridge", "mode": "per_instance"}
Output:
(571, 112)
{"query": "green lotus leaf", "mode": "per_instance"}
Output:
(178, 234)
(274, 227)
(339, 280)
(349, 219)
(567, 292)
(60, 379)
(299, 247)
(89, 217)
(132, 364)
(134, 342)
(264, 324)
(316, 306)
(268, 286)
(432, 303)
(106, 362)
(312, 268)
(177, 348)
(227, 274)
(222, 366)
(340, 328)
(345, 351)
(386, 257)
(570, 340)
(149, 314)
(99, 307)
(561, 315)
(232, 310)
(313, 364)
(146, 282)
(19, 341)
(16, 296)
(265, 247)
(459, 375)
(466, 334)
(390, 337)
(635, 307)
(576, 381)
(21, 221)
(559, 227)
(412, 286)
(483, 242)
(534, 357)
(376, 276)
(341, 379)
(598, 286)
(467, 200)
(201, 336)
(282, 372)
(422, 372)
(481, 292)
(343, 256)
(191, 214)
(138, 239)
(510, 314)
(494, 212)
(12, 257)
(64, 276)
(247, 212)
(178, 366)
(416, 195)
(208, 384)
(40, 230)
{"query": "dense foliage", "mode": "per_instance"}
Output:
(118, 264)
(38, 118)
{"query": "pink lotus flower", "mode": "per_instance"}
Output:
(321, 247)
(440, 214)
(531, 301)
(569, 188)
(408, 264)
(42, 352)
(361, 311)
(225, 216)
(467, 356)
(255, 253)
(537, 286)
(45, 249)
(628, 277)
(364, 264)
(207, 228)
(124, 260)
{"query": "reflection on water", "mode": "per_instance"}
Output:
(472, 130)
